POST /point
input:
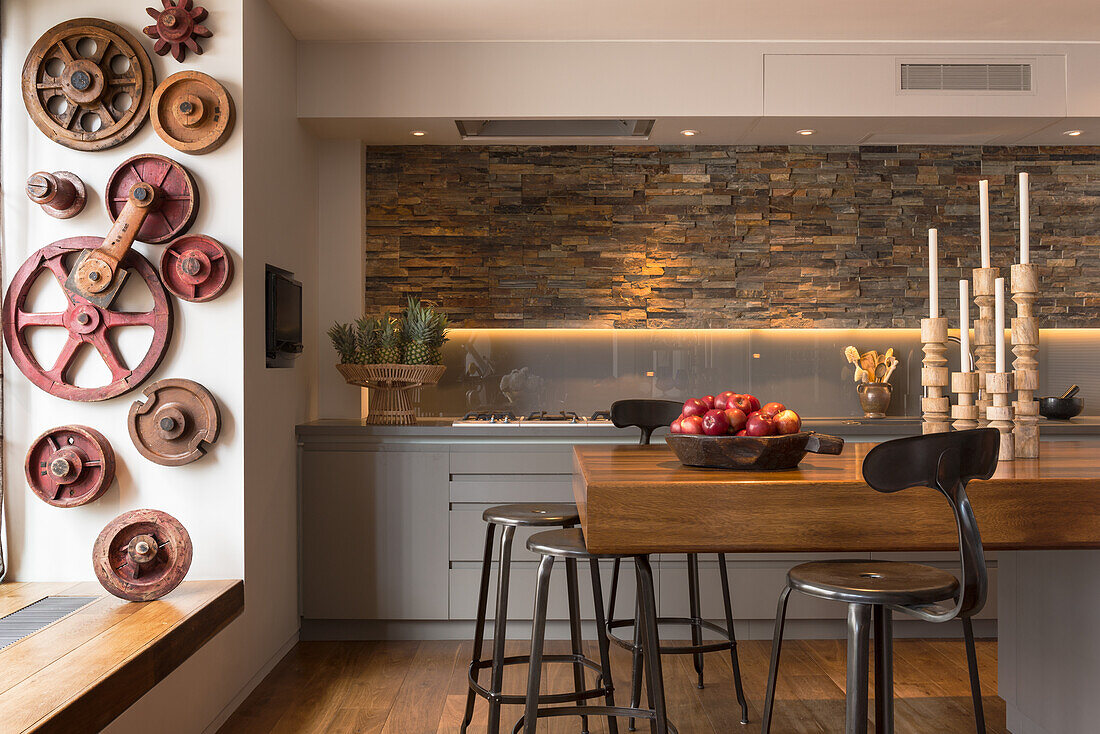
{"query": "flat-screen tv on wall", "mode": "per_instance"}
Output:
(284, 317)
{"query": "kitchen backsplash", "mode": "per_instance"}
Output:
(585, 370)
(701, 236)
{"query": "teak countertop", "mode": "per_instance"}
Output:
(80, 673)
(640, 499)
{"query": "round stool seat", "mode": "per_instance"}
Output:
(546, 514)
(891, 583)
(561, 543)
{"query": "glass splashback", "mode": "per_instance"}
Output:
(585, 370)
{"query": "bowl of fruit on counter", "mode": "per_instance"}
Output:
(734, 431)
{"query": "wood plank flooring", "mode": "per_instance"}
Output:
(420, 688)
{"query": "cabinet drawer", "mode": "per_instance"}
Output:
(499, 489)
(467, 541)
(505, 459)
(465, 578)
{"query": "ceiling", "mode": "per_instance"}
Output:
(763, 20)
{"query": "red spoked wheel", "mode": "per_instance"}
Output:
(85, 323)
(70, 466)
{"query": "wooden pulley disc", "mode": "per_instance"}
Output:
(142, 555)
(196, 268)
(87, 84)
(87, 325)
(177, 200)
(61, 194)
(192, 112)
(70, 466)
(176, 424)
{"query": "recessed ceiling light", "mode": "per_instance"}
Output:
(689, 133)
(1073, 133)
(806, 131)
(418, 133)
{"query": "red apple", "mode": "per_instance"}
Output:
(722, 399)
(742, 432)
(694, 406)
(787, 422)
(771, 409)
(759, 425)
(736, 418)
(692, 424)
(709, 400)
(754, 404)
(675, 427)
(715, 423)
(742, 402)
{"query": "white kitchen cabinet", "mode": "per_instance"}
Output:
(374, 534)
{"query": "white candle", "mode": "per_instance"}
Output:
(983, 204)
(999, 322)
(964, 326)
(1025, 218)
(933, 274)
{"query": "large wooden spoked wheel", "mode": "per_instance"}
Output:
(87, 84)
(86, 325)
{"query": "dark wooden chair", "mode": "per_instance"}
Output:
(945, 462)
(648, 415)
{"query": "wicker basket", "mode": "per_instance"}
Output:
(390, 385)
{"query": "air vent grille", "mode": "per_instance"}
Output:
(966, 77)
(38, 615)
(614, 128)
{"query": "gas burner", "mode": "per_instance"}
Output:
(496, 416)
(601, 415)
(562, 416)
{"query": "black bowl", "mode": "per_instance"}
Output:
(1060, 408)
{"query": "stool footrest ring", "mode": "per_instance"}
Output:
(602, 689)
(617, 711)
(717, 646)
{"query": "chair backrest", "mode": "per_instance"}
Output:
(647, 414)
(945, 462)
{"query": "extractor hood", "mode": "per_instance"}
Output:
(548, 128)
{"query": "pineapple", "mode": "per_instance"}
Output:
(369, 334)
(439, 336)
(390, 343)
(418, 326)
(346, 342)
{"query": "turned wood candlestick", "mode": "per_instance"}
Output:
(965, 413)
(999, 385)
(984, 349)
(1025, 345)
(934, 376)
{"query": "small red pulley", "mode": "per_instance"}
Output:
(196, 268)
(142, 555)
(70, 466)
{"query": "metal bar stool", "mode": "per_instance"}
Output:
(945, 462)
(508, 518)
(568, 544)
(648, 415)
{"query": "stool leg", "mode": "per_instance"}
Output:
(859, 621)
(654, 674)
(538, 633)
(636, 661)
(975, 683)
(479, 625)
(500, 624)
(733, 639)
(614, 591)
(773, 669)
(884, 671)
(604, 644)
(575, 632)
(694, 613)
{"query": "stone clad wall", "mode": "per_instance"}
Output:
(718, 236)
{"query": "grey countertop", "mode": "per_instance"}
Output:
(441, 429)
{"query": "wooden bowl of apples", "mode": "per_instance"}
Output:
(733, 431)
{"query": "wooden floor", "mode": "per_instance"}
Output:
(420, 688)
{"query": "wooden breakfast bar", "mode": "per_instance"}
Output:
(640, 499)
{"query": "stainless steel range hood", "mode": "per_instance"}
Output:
(511, 129)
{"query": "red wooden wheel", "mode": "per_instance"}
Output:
(142, 555)
(70, 466)
(196, 268)
(180, 196)
(86, 324)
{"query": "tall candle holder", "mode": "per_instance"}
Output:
(934, 376)
(965, 413)
(999, 385)
(984, 349)
(1025, 345)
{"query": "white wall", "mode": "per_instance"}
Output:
(258, 194)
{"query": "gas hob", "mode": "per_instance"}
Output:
(542, 418)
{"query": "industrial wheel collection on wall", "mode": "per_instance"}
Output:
(89, 84)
